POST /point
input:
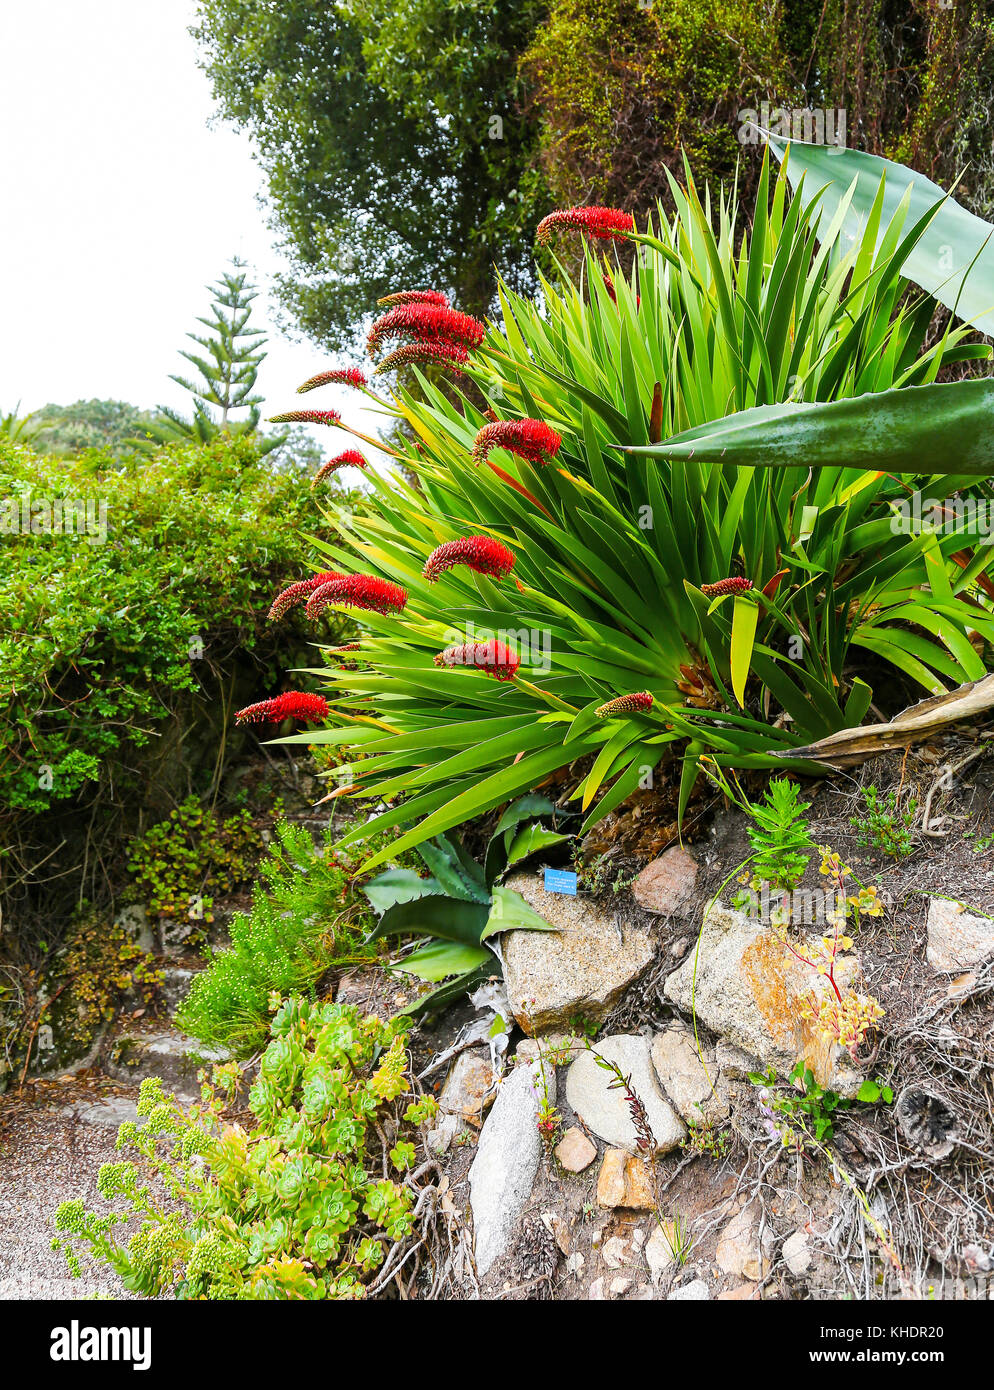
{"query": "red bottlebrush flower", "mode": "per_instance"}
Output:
(359, 591)
(493, 658)
(530, 439)
(425, 352)
(435, 322)
(297, 593)
(306, 417)
(435, 297)
(338, 376)
(294, 704)
(636, 703)
(735, 585)
(351, 458)
(607, 224)
(341, 652)
(480, 553)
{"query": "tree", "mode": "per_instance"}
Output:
(93, 424)
(228, 366)
(393, 143)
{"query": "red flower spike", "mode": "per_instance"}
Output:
(607, 224)
(351, 458)
(297, 593)
(735, 585)
(359, 591)
(479, 553)
(493, 658)
(636, 703)
(306, 417)
(294, 704)
(338, 376)
(529, 439)
(432, 321)
(426, 353)
(435, 297)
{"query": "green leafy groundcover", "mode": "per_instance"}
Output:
(714, 404)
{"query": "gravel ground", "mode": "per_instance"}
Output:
(49, 1153)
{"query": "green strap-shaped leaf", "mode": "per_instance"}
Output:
(510, 912)
(442, 959)
(453, 919)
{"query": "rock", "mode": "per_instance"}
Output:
(667, 884)
(684, 1077)
(596, 1291)
(580, 968)
(694, 1292)
(470, 1085)
(626, 1181)
(503, 1171)
(605, 1111)
(167, 1054)
(176, 981)
(109, 1113)
(751, 991)
(659, 1250)
(619, 1287)
(797, 1253)
(957, 939)
(741, 1293)
(440, 1138)
(733, 1063)
(615, 1252)
(738, 1247)
(134, 920)
(575, 1263)
(554, 1049)
(575, 1151)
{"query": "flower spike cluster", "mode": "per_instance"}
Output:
(294, 704)
(366, 591)
(493, 658)
(306, 417)
(636, 703)
(479, 553)
(435, 297)
(434, 322)
(607, 224)
(299, 592)
(338, 376)
(351, 458)
(721, 587)
(529, 439)
(424, 353)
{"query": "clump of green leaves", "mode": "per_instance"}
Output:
(807, 1108)
(779, 836)
(286, 1211)
(305, 917)
(182, 862)
(884, 826)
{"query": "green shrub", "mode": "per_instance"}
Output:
(304, 918)
(285, 1211)
(665, 600)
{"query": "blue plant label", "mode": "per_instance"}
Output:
(560, 881)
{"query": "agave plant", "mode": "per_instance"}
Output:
(461, 905)
(697, 468)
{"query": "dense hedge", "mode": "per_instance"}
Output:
(124, 648)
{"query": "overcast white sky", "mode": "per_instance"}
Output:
(119, 205)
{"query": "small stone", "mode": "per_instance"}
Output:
(575, 1151)
(659, 1250)
(694, 1292)
(440, 1138)
(689, 1083)
(741, 1293)
(503, 1171)
(797, 1253)
(643, 1294)
(470, 1085)
(596, 1291)
(957, 939)
(667, 884)
(575, 1263)
(548, 1048)
(581, 967)
(605, 1110)
(638, 1238)
(614, 1252)
(626, 1181)
(619, 1287)
(737, 1251)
